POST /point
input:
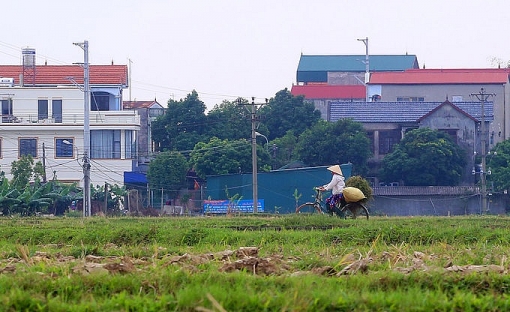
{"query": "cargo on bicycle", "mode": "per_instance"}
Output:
(344, 201)
(347, 207)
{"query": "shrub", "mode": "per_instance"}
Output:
(362, 184)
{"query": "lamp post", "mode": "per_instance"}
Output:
(367, 66)
(267, 142)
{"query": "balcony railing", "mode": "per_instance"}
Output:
(102, 117)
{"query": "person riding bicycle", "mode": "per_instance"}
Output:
(336, 186)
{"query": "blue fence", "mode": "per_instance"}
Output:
(276, 189)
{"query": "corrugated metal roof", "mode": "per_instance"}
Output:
(400, 112)
(51, 75)
(330, 91)
(440, 76)
(355, 63)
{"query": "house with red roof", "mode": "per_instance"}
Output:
(43, 115)
(456, 85)
(323, 78)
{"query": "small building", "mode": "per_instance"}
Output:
(148, 112)
(387, 122)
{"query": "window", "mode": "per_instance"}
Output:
(64, 148)
(100, 101)
(28, 147)
(457, 98)
(56, 110)
(387, 140)
(42, 109)
(410, 99)
(452, 133)
(105, 144)
(7, 110)
(130, 144)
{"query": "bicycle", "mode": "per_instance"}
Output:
(342, 209)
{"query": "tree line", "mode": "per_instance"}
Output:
(219, 142)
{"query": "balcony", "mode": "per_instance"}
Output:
(95, 118)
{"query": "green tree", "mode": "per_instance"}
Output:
(499, 163)
(282, 150)
(328, 143)
(25, 170)
(424, 157)
(229, 120)
(182, 126)
(225, 156)
(114, 197)
(286, 112)
(168, 171)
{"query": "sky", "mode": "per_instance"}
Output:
(225, 49)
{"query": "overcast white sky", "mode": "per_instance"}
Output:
(226, 49)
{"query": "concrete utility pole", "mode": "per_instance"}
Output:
(482, 97)
(254, 119)
(367, 66)
(86, 129)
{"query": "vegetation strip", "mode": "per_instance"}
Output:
(208, 264)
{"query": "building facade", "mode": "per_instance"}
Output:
(43, 116)
(455, 85)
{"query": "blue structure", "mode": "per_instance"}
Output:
(276, 189)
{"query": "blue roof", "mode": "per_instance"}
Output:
(400, 112)
(319, 65)
(131, 177)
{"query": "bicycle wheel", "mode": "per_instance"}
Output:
(308, 208)
(355, 211)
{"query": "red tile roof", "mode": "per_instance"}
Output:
(59, 74)
(139, 104)
(329, 91)
(442, 76)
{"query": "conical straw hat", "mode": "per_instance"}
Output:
(336, 169)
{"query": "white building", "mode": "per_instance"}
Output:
(42, 114)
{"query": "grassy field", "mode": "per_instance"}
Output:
(255, 263)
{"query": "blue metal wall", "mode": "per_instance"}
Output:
(276, 188)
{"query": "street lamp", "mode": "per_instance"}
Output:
(260, 134)
(367, 66)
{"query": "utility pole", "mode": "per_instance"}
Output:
(367, 66)
(86, 129)
(254, 119)
(482, 96)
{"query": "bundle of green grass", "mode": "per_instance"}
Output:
(361, 184)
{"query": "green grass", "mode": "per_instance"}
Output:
(59, 264)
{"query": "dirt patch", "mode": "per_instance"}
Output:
(248, 259)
